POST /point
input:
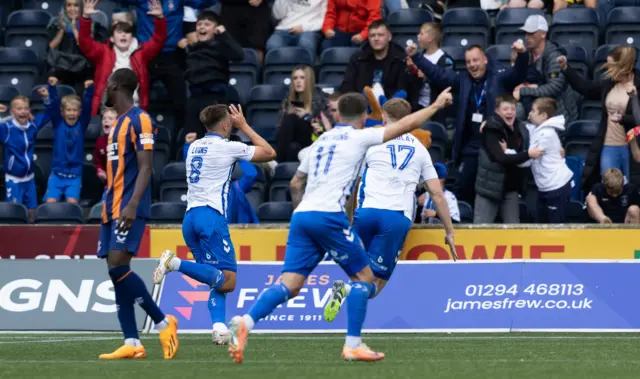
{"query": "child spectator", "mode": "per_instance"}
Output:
(109, 116)
(612, 201)
(123, 52)
(208, 69)
(18, 136)
(429, 215)
(70, 118)
(550, 172)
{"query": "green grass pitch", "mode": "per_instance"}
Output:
(459, 356)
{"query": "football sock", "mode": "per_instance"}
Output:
(357, 307)
(269, 300)
(203, 273)
(137, 290)
(132, 342)
(124, 302)
(217, 306)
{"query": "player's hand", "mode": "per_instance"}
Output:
(53, 81)
(448, 239)
(330, 34)
(562, 61)
(357, 39)
(237, 117)
(156, 9)
(444, 99)
(605, 220)
(89, 8)
(88, 83)
(126, 219)
(518, 46)
(296, 30)
(3, 108)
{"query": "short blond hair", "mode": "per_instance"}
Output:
(395, 109)
(613, 179)
(20, 98)
(71, 100)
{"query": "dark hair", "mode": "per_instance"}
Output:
(546, 105)
(209, 15)
(122, 27)
(352, 106)
(506, 98)
(213, 114)
(474, 47)
(335, 96)
(378, 24)
(126, 79)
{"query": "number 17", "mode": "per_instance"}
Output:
(392, 149)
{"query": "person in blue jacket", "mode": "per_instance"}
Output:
(70, 118)
(18, 135)
(475, 91)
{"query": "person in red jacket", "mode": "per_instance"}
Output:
(346, 22)
(100, 152)
(123, 51)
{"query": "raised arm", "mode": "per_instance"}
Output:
(53, 107)
(590, 89)
(89, 47)
(87, 98)
(264, 152)
(438, 76)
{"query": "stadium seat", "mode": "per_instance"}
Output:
(623, 27)
(456, 53)
(601, 58)
(173, 187)
(465, 27)
(509, 21)
(265, 102)
(591, 110)
(167, 213)
(95, 214)
(576, 213)
(525, 215)
(244, 75)
(500, 53)
(578, 59)
(275, 212)
(333, 63)
(255, 198)
(94, 130)
(579, 137)
(59, 214)
(405, 24)
(52, 7)
(466, 212)
(92, 186)
(278, 64)
(43, 150)
(438, 149)
(12, 213)
(28, 29)
(576, 26)
(161, 108)
(19, 68)
(7, 93)
(279, 190)
(452, 175)
(576, 165)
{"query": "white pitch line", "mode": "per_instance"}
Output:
(59, 340)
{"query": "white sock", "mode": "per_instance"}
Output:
(220, 327)
(248, 321)
(353, 342)
(174, 264)
(162, 324)
(132, 342)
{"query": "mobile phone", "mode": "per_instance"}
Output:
(297, 103)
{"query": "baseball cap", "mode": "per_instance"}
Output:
(535, 23)
(441, 170)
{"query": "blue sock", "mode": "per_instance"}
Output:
(203, 273)
(269, 300)
(126, 311)
(357, 307)
(217, 306)
(137, 290)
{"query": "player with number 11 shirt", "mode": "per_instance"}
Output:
(210, 162)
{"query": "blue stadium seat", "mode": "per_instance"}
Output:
(50, 6)
(279, 190)
(576, 213)
(19, 68)
(278, 63)
(108, 6)
(333, 63)
(623, 26)
(255, 198)
(591, 110)
(12, 213)
(94, 130)
(501, 53)
(167, 213)
(173, 187)
(6, 94)
(275, 212)
(405, 24)
(59, 214)
(579, 137)
(576, 165)
(438, 149)
(43, 150)
(95, 214)
(244, 75)
(601, 58)
(576, 26)
(509, 21)
(465, 27)
(456, 53)
(466, 212)
(28, 29)
(265, 102)
(92, 186)
(578, 59)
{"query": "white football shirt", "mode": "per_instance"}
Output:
(332, 166)
(210, 162)
(391, 173)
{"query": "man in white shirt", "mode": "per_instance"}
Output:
(387, 203)
(319, 190)
(210, 162)
(299, 24)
